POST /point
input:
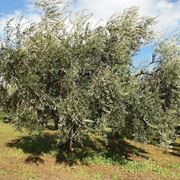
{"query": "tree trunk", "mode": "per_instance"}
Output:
(56, 121)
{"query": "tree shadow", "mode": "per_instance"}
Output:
(175, 154)
(36, 146)
(34, 159)
(125, 149)
(175, 150)
(176, 147)
(116, 152)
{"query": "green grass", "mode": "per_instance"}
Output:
(103, 159)
(146, 166)
(135, 166)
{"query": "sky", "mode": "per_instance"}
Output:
(167, 12)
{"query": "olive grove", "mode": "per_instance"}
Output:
(82, 76)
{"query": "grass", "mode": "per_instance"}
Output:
(25, 158)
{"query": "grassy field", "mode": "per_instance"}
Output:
(24, 158)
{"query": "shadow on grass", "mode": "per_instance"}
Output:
(93, 152)
(116, 152)
(175, 154)
(175, 150)
(35, 146)
(176, 147)
(34, 159)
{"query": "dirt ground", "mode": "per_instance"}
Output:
(18, 161)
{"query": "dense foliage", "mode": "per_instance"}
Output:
(82, 77)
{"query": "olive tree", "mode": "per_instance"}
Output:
(62, 68)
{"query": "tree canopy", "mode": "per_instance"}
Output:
(82, 77)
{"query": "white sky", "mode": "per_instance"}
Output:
(166, 11)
